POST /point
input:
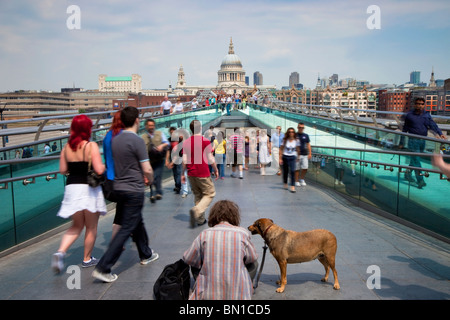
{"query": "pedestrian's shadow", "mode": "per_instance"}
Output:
(182, 217)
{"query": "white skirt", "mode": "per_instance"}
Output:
(79, 197)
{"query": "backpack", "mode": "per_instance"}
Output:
(153, 153)
(173, 283)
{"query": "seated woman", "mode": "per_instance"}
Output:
(223, 253)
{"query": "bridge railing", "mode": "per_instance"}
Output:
(31, 189)
(356, 159)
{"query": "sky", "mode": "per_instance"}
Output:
(45, 46)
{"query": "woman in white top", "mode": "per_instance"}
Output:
(178, 107)
(289, 154)
(264, 147)
(194, 104)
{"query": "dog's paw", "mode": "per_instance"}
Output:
(336, 287)
(324, 279)
(280, 290)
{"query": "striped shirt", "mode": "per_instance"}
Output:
(222, 252)
(237, 143)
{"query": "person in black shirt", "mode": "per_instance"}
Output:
(418, 121)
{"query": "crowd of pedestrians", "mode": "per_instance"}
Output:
(197, 160)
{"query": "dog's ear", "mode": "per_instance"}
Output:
(271, 220)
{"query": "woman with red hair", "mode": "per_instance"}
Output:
(82, 203)
(115, 129)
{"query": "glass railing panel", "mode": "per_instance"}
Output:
(36, 205)
(7, 231)
(379, 186)
(5, 172)
(426, 206)
(35, 167)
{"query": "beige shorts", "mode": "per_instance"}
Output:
(302, 164)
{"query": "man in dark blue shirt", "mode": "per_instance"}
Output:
(305, 155)
(418, 121)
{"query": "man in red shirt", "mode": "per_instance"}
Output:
(197, 156)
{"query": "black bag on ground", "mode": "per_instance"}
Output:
(173, 283)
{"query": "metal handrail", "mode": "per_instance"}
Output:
(51, 175)
(401, 153)
(321, 155)
(386, 166)
(6, 132)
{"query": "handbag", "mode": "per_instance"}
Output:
(108, 190)
(155, 155)
(173, 283)
(94, 179)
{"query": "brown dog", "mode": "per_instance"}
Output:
(294, 247)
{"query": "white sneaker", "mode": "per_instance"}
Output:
(341, 183)
(153, 257)
(297, 184)
(105, 277)
(336, 181)
(58, 262)
(302, 182)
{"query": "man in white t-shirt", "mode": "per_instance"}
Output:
(229, 105)
(166, 106)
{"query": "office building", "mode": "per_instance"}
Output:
(257, 78)
(414, 77)
(294, 79)
(120, 84)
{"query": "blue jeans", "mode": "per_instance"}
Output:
(220, 162)
(185, 187)
(129, 206)
(289, 168)
(157, 177)
(416, 145)
(176, 170)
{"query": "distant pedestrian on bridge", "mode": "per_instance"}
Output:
(289, 154)
(166, 106)
(305, 155)
(418, 121)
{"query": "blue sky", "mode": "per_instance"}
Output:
(153, 38)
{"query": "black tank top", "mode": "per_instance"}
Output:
(77, 172)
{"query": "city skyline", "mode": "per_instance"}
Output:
(43, 48)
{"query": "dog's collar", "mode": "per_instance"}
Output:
(265, 231)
